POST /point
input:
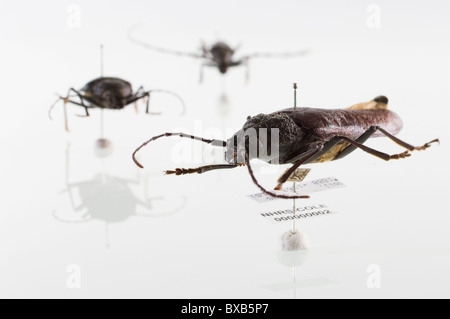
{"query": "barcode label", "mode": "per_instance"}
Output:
(305, 188)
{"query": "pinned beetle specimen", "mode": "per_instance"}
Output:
(306, 135)
(107, 93)
(220, 55)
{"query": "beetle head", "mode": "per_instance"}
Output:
(223, 68)
(261, 137)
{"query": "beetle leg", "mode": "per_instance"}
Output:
(147, 104)
(303, 158)
(147, 94)
(252, 175)
(200, 78)
(66, 124)
(372, 130)
(360, 140)
(66, 100)
(202, 66)
(376, 153)
(140, 90)
(404, 144)
(81, 101)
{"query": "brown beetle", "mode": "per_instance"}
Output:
(306, 135)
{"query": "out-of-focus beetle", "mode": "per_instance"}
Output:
(219, 55)
(108, 93)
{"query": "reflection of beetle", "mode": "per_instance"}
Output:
(107, 198)
(107, 93)
(110, 199)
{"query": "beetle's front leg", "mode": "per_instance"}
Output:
(202, 66)
(304, 156)
(200, 78)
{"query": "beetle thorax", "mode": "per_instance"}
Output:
(262, 136)
(109, 92)
(222, 54)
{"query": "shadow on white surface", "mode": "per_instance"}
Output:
(110, 198)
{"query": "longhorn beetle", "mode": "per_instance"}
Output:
(220, 55)
(306, 135)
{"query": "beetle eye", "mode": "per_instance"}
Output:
(249, 118)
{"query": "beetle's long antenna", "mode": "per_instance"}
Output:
(278, 55)
(157, 48)
(204, 140)
(247, 162)
(183, 105)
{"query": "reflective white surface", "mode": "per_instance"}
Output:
(138, 233)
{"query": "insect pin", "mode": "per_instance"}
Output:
(107, 93)
(303, 135)
(219, 55)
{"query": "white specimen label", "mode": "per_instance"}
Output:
(305, 188)
(301, 213)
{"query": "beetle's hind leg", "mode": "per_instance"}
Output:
(404, 144)
(374, 152)
(371, 131)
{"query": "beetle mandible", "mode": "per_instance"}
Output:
(306, 135)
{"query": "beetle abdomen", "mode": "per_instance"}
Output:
(108, 92)
(326, 124)
(332, 153)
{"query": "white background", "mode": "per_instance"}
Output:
(202, 237)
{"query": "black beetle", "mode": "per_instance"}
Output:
(220, 55)
(108, 93)
(305, 135)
